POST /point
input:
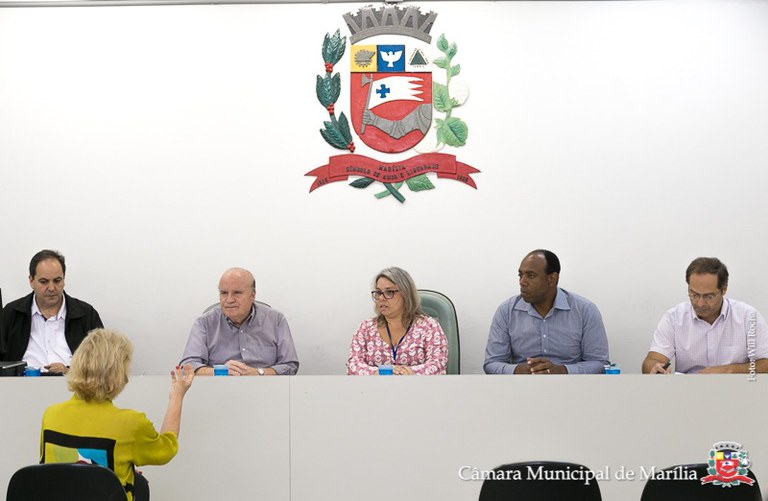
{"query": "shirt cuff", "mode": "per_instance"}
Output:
(510, 368)
(573, 369)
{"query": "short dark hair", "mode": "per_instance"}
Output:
(42, 256)
(553, 263)
(708, 265)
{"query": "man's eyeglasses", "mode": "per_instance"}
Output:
(388, 294)
(708, 298)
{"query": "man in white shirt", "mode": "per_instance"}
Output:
(711, 333)
(45, 327)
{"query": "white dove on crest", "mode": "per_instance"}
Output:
(391, 57)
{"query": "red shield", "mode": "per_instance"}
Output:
(391, 112)
(728, 466)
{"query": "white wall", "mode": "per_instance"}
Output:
(157, 146)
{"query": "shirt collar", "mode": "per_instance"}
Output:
(246, 321)
(724, 310)
(561, 303)
(561, 300)
(61, 315)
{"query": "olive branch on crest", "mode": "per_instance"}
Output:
(336, 131)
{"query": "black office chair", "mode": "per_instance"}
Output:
(678, 487)
(65, 482)
(527, 482)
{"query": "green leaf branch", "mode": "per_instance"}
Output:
(450, 130)
(417, 183)
(336, 132)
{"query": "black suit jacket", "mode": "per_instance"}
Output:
(16, 324)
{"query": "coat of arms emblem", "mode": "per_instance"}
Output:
(394, 102)
(728, 465)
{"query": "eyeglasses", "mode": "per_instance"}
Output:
(388, 294)
(708, 298)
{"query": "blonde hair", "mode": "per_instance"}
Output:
(100, 365)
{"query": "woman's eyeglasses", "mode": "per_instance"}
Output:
(388, 294)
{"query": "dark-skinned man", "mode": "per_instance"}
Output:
(545, 329)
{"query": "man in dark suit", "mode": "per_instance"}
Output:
(45, 327)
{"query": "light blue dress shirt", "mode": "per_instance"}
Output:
(572, 334)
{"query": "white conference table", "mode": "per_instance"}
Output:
(304, 438)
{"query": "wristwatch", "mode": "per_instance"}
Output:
(260, 371)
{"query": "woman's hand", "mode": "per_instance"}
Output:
(402, 370)
(181, 380)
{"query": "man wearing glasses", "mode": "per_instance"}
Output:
(712, 333)
(250, 339)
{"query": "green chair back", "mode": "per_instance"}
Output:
(438, 306)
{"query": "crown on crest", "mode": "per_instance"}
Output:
(728, 446)
(390, 20)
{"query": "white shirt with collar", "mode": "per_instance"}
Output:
(47, 343)
(695, 344)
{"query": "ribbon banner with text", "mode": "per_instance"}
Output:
(340, 167)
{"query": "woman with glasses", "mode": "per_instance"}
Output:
(400, 335)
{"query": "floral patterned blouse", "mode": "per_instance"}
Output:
(424, 349)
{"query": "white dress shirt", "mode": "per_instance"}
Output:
(47, 344)
(736, 333)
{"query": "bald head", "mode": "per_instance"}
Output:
(240, 274)
(237, 291)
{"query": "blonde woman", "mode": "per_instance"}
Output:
(90, 428)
